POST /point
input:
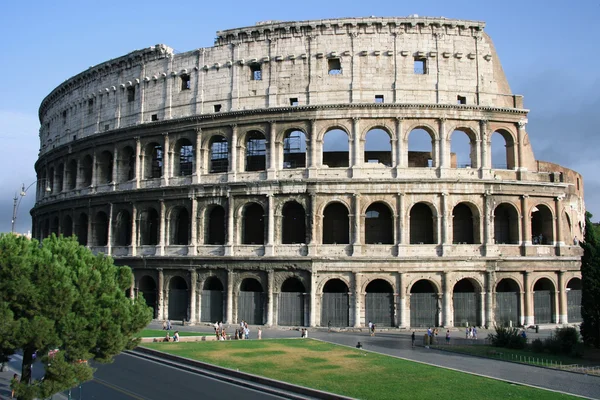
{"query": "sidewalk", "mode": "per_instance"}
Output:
(5, 378)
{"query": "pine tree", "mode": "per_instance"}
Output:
(590, 280)
(58, 295)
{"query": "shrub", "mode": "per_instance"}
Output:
(552, 344)
(537, 346)
(567, 339)
(507, 337)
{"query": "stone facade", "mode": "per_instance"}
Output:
(211, 174)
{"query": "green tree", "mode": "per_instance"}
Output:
(590, 282)
(58, 295)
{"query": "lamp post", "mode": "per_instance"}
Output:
(17, 200)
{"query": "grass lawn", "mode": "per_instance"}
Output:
(348, 371)
(160, 333)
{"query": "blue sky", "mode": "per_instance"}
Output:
(548, 49)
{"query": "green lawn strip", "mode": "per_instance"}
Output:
(160, 333)
(347, 371)
(522, 356)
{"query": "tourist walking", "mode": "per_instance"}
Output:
(412, 339)
(448, 336)
(259, 333)
(474, 331)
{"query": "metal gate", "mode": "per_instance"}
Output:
(178, 304)
(150, 298)
(211, 306)
(507, 308)
(423, 309)
(291, 309)
(250, 307)
(334, 309)
(380, 308)
(542, 306)
(466, 308)
(574, 305)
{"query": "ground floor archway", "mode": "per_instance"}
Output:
(379, 303)
(147, 288)
(211, 300)
(467, 304)
(335, 308)
(543, 304)
(574, 301)
(290, 303)
(507, 303)
(178, 298)
(251, 302)
(424, 304)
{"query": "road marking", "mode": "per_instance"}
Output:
(118, 389)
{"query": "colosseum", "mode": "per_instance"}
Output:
(273, 178)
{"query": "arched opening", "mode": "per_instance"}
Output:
(100, 229)
(82, 229)
(424, 304)
(543, 304)
(506, 224)
(153, 161)
(72, 175)
(463, 231)
(122, 232)
(46, 229)
(507, 303)
(467, 304)
(179, 225)
(336, 224)
(54, 226)
(335, 149)
(462, 149)
(379, 303)
(183, 165)
(421, 224)
(251, 302)
(212, 300)
(219, 155)
(149, 227)
(378, 147)
(542, 223)
(574, 300)
(253, 228)
(126, 164)
(147, 287)
(379, 224)
(67, 226)
(178, 298)
(502, 150)
(105, 167)
(86, 171)
(294, 150)
(256, 150)
(60, 172)
(291, 303)
(216, 226)
(293, 223)
(420, 149)
(335, 309)
(51, 181)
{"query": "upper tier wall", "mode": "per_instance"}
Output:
(376, 59)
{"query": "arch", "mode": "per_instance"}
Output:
(183, 165)
(467, 303)
(54, 226)
(46, 229)
(72, 174)
(292, 299)
(420, 147)
(100, 229)
(122, 229)
(126, 164)
(148, 289)
(216, 225)
(251, 301)
(421, 224)
(507, 303)
(149, 227)
(67, 226)
(50, 183)
(60, 172)
(424, 304)
(378, 147)
(379, 224)
(502, 144)
(463, 148)
(465, 224)
(82, 229)
(574, 300)
(256, 151)
(336, 152)
(379, 303)
(178, 298)
(253, 224)
(153, 161)
(219, 154)
(86, 171)
(336, 224)
(542, 225)
(506, 224)
(294, 149)
(335, 308)
(543, 301)
(211, 302)
(293, 223)
(179, 226)
(105, 167)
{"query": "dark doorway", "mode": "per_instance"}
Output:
(293, 223)
(291, 303)
(507, 303)
(379, 224)
(336, 224)
(216, 226)
(253, 224)
(147, 288)
(424, 304)
(178, 298)
(466, 304)
(379, 303)
(335, 309)
(212, 300)
(251, 302)
(421, 224)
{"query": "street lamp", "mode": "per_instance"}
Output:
(17, 199)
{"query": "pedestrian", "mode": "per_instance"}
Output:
(236, 334)
(246, 332)
(164, 325)
(359, 345)
(259, 333)
(167, 338)
(302, 333)
(306, 333)
(220, 325)
(13, 385)
(370, 325)
(176, 336)
(474, 333)
(412, 339)
(328, 326)
(448, 336)
(467, 333)
(168, 324)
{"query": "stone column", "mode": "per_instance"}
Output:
(161, 228)
(356, 243)
(312, 246)
(489, 309)
(94, 169)
(313, 299)
(110, 228)
(445, 217)
(402, 306)
(269, 248)
(357, 298)
(521, 137)
(526, 222)
(134, 235)
(447, 298)
(160, 294)
(166, 172)
(233, 153)
(270, 298)
(139, 160)
(198, 157)
(443, 162)
(90, 230)
(229, 311)
(194, 226)
(400, 235)
(115, 170)
(401, 149)
(477, 160)
(485, 150)
(132, 287)
(272, 165)
(558, 238)
(355, 159)
(193, 295)
(563, 313)
(312, 160)
(529, 315)
(522, 307)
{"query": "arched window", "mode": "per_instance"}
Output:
(101, 229)
(219, 155)
(294, 150)
(105, 167)
(149, 227)
(87, 170)
(293, 223)
(256, 150)
(463, 149)
(180, 226)
(122, 232)
(378, 148)
(336, 224)
(72, 175)
(153, 161)
(335, 149)
(502, 151)
(542, 223)
(126, 164)
(379, 224)
(420, 149)
(253, 224)
(216, 226)
(421, 224)
(59, 178)
(67, 226)
(506, 224)
(183, 165)
(82, 229)
(51, 180)
(463, 231)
